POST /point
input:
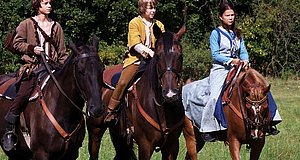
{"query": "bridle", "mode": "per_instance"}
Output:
(254, 123)
(256, 107)
(75, 60)
(169, 68)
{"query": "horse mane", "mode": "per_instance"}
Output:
(151, 74)
(252, 77)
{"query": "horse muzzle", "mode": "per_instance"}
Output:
(95, 111)
(257, 134)
(170, 95)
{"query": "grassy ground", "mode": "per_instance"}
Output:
(285, 146)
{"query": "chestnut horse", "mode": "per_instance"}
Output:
(247, 113)
(155, 112)
(55, 119)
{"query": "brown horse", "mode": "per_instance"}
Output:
(247, 114)
(61, 135)
(155, 112)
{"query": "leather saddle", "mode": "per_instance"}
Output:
(9, 85)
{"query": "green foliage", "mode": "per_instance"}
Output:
(197, 61)
(270, 29)
(111, 54)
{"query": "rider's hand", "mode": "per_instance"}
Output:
(37, 50)
(235, 61)
(246, 65)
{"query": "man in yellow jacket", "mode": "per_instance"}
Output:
(141, 41)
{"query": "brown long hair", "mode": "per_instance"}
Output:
(226, 6)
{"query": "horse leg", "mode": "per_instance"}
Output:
(170, 150)
(190, 139)
(256, 148)
(123, 145)
(95, 136)
(145, 150)
(40, 155)
(234, 147)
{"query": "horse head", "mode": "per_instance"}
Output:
(168, 52)
(255, 89)
(87, 71)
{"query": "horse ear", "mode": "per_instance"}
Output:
(156, 31)
(73, 47)
(95, 42)
(180, 33)
(267, 89)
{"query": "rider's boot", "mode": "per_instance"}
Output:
(9, 139)
(112, 111)
(273, 130)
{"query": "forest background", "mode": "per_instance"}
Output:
(271, 30)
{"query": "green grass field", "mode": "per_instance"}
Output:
(285, 146)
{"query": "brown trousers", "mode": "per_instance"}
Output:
(126, 77)
(23, 94)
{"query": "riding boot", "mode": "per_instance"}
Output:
(10, 139)
(112, 111)
(273, 130)
(209, 137)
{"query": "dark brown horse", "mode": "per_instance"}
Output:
(247, 114)
(61, 136)
(155, 112)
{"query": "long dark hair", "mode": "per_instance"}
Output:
(226, 6)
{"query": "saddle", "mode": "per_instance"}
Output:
(231, 79)
(9, 85)
(111, 75)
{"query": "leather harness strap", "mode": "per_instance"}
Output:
(237, 112)
(56, 125)
(165, 130)
(228, 90)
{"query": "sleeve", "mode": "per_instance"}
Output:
(215, 49)
(243, 51)
(61, 50)
(20, 40)
(134, 36)
(161, 26)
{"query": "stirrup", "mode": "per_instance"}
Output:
(12, 136)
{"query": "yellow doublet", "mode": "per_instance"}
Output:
(136, 35)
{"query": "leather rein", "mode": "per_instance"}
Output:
(66, 136)
(255, 104)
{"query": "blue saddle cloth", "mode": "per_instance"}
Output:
(220, 115)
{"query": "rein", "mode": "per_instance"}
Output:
(256, 106)
(66, 136)
(81, 56)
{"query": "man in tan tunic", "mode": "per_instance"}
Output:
(31, 42)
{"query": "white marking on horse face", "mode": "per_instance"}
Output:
(254, 110)
(170, 94)
(256, 132)
(171, 50)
